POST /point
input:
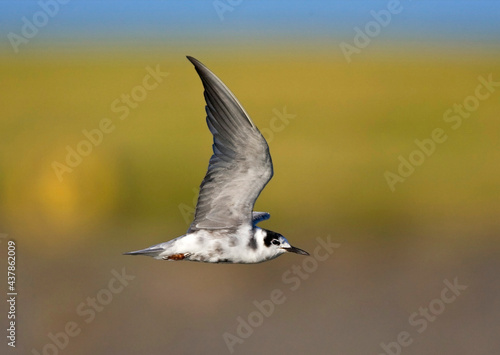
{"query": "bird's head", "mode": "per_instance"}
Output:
(275, 243)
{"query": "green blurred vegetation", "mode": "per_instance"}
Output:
(351, 123)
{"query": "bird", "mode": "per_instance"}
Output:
(224, 229)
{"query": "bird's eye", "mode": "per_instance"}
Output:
(275, 242)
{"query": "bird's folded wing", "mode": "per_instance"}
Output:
(240, 166)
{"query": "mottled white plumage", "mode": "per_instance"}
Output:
(224, 227)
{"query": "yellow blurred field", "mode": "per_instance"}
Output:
(334, 130)
(350, 123)
(382, 119)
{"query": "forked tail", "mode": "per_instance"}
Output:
(154, 252)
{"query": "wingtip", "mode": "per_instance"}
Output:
(202, 70)
(193, 60)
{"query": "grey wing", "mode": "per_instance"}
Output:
(258, 217)
(240, 166)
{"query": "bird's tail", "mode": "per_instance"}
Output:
(153, 251)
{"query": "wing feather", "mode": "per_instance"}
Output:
(240, 166)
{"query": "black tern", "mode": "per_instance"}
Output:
(224, 229)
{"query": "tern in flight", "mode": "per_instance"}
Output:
(225, 229)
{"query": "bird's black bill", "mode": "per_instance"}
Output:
(296, 251)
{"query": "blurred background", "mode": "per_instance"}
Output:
(99, 156)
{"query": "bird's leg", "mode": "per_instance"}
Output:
(175, 257)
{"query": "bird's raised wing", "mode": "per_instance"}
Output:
(258, 217)
(240, 166)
